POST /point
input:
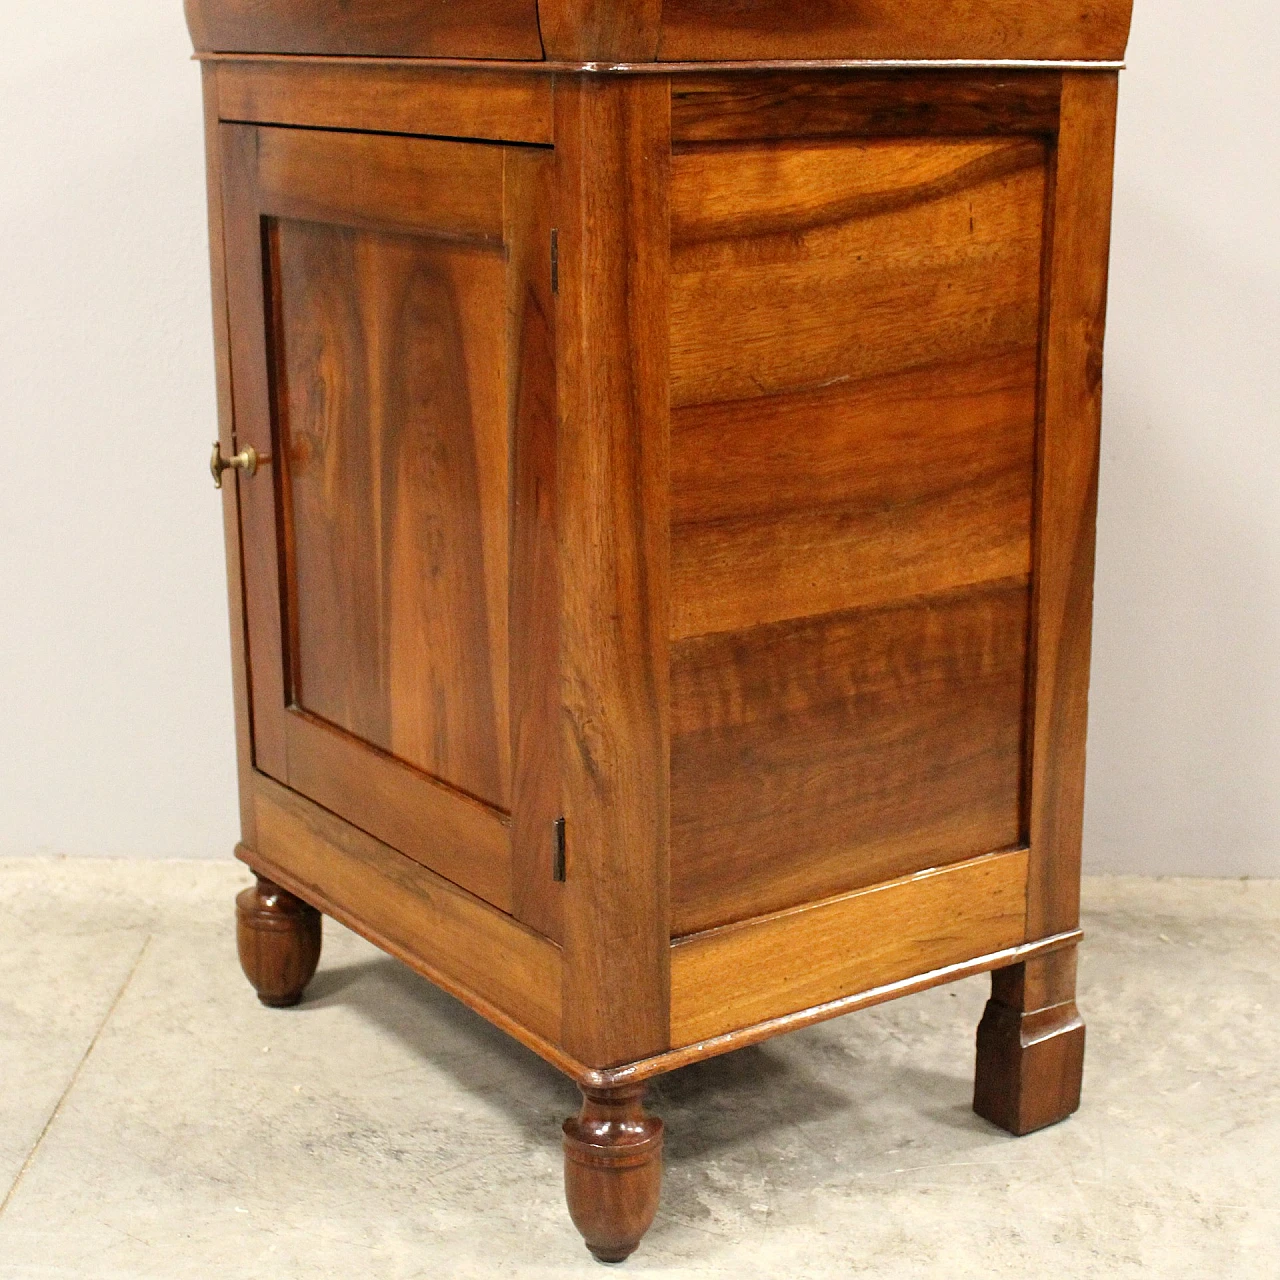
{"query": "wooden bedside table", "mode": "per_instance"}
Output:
(665, 445)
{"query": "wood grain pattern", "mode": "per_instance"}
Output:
(1030, 1059)
(479, 29)
(799, 266)
(855, 369)
(251, 395)
(747, 550)
(534, 595)
(459, 837)
(613, 1170)
(386, 504)
(278, 937)
(710, 107)
(612, 336)
(392, 414)
(1068, 488)
(817, 756)
(767, 967)
(638, 31)
(757, 1032)
(701, 30)
(480, 955)
(450, 102)
(904, 484)
(600, 30)
(447, 190)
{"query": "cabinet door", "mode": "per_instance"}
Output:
(392, 366)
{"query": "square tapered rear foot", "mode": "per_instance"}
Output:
(1029, 1067)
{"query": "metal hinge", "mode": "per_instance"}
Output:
(557, 865)
(555, 271)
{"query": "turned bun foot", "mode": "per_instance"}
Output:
(1030, 1046)
(278, 936)
(612, 1170)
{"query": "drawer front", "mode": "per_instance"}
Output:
(387, 28)
(710, 30)
(855, 366)
(378, 294)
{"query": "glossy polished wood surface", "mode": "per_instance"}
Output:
(640, 31)
(775, 965)
(1030, 1045)
(855, 331)
(613, 344)
(407, 28)
(879, 742)
(218, 264)
(278, 937)
(422, 98)
(396, 371)
(723, 107)
(699, 30)
(445, 933)
(613, 1170)
(1070, 455)
(393, 439)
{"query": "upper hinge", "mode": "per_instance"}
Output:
(555, 262)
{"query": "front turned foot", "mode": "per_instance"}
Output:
(278, 936)
(1030, 1045)
(612, 1170)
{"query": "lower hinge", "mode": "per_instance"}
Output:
(557, 865)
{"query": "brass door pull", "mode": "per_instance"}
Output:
(246, 460)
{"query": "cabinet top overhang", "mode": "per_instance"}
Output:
(671, 31)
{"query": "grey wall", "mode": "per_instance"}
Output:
(115, 703)
(1184, 757)
(115, 724)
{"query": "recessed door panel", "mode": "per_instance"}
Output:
(391, 408)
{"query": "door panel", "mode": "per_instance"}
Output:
(372, 284)
(391, 416)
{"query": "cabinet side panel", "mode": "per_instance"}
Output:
(1067, 506)
(844, 750)
(855, 336)
(613, 147)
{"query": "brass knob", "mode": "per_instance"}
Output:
(246, 460)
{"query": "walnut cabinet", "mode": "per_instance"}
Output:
(658, 450)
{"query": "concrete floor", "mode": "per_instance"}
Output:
(156, 1121)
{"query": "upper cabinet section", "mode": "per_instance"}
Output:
(732, 30)
(501, 29)
(633, 31)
